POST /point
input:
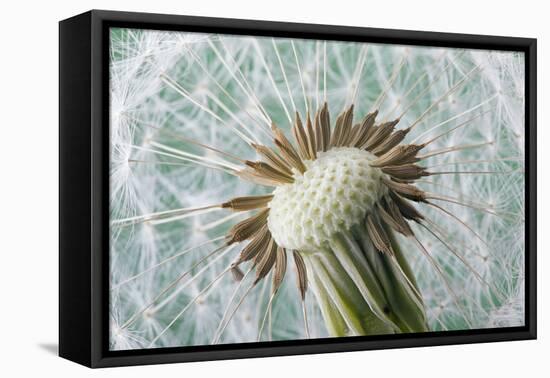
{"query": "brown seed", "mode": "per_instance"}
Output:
(406, 190)
(259, 242)
(319, 137)
(355, 129)
(252, 175)
(396, 214)
(301, 274)
(312, 144)
(378, 235)
(342, 128)
(280, 268)
(325, 124)
(347, 127)
(387, 218)
(273, 158)
(270, 172)
(365, 129)
(401, 154)
(405, 208)
(335, 138)
(247, 203)
(247, 228)
(301, 138)
(265, 260)
(395, 222)
(405, 172)
(237, 273)
(380, 134)
(287, 150)
(393, 140)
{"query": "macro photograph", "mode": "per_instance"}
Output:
(266, 189)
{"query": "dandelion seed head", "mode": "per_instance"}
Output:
(334, 193)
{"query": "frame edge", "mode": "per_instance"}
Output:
(75, 336)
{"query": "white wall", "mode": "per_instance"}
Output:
(28, 189)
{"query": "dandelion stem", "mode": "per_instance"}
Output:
(331, 313)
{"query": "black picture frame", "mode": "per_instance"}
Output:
(84, 187)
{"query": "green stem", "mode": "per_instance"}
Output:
(395, 276)
(361, 291)
(333, 320)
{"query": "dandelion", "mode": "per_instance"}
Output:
(275, 189)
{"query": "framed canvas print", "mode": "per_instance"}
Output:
(233, 188)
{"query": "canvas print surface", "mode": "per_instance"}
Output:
(266, 189)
